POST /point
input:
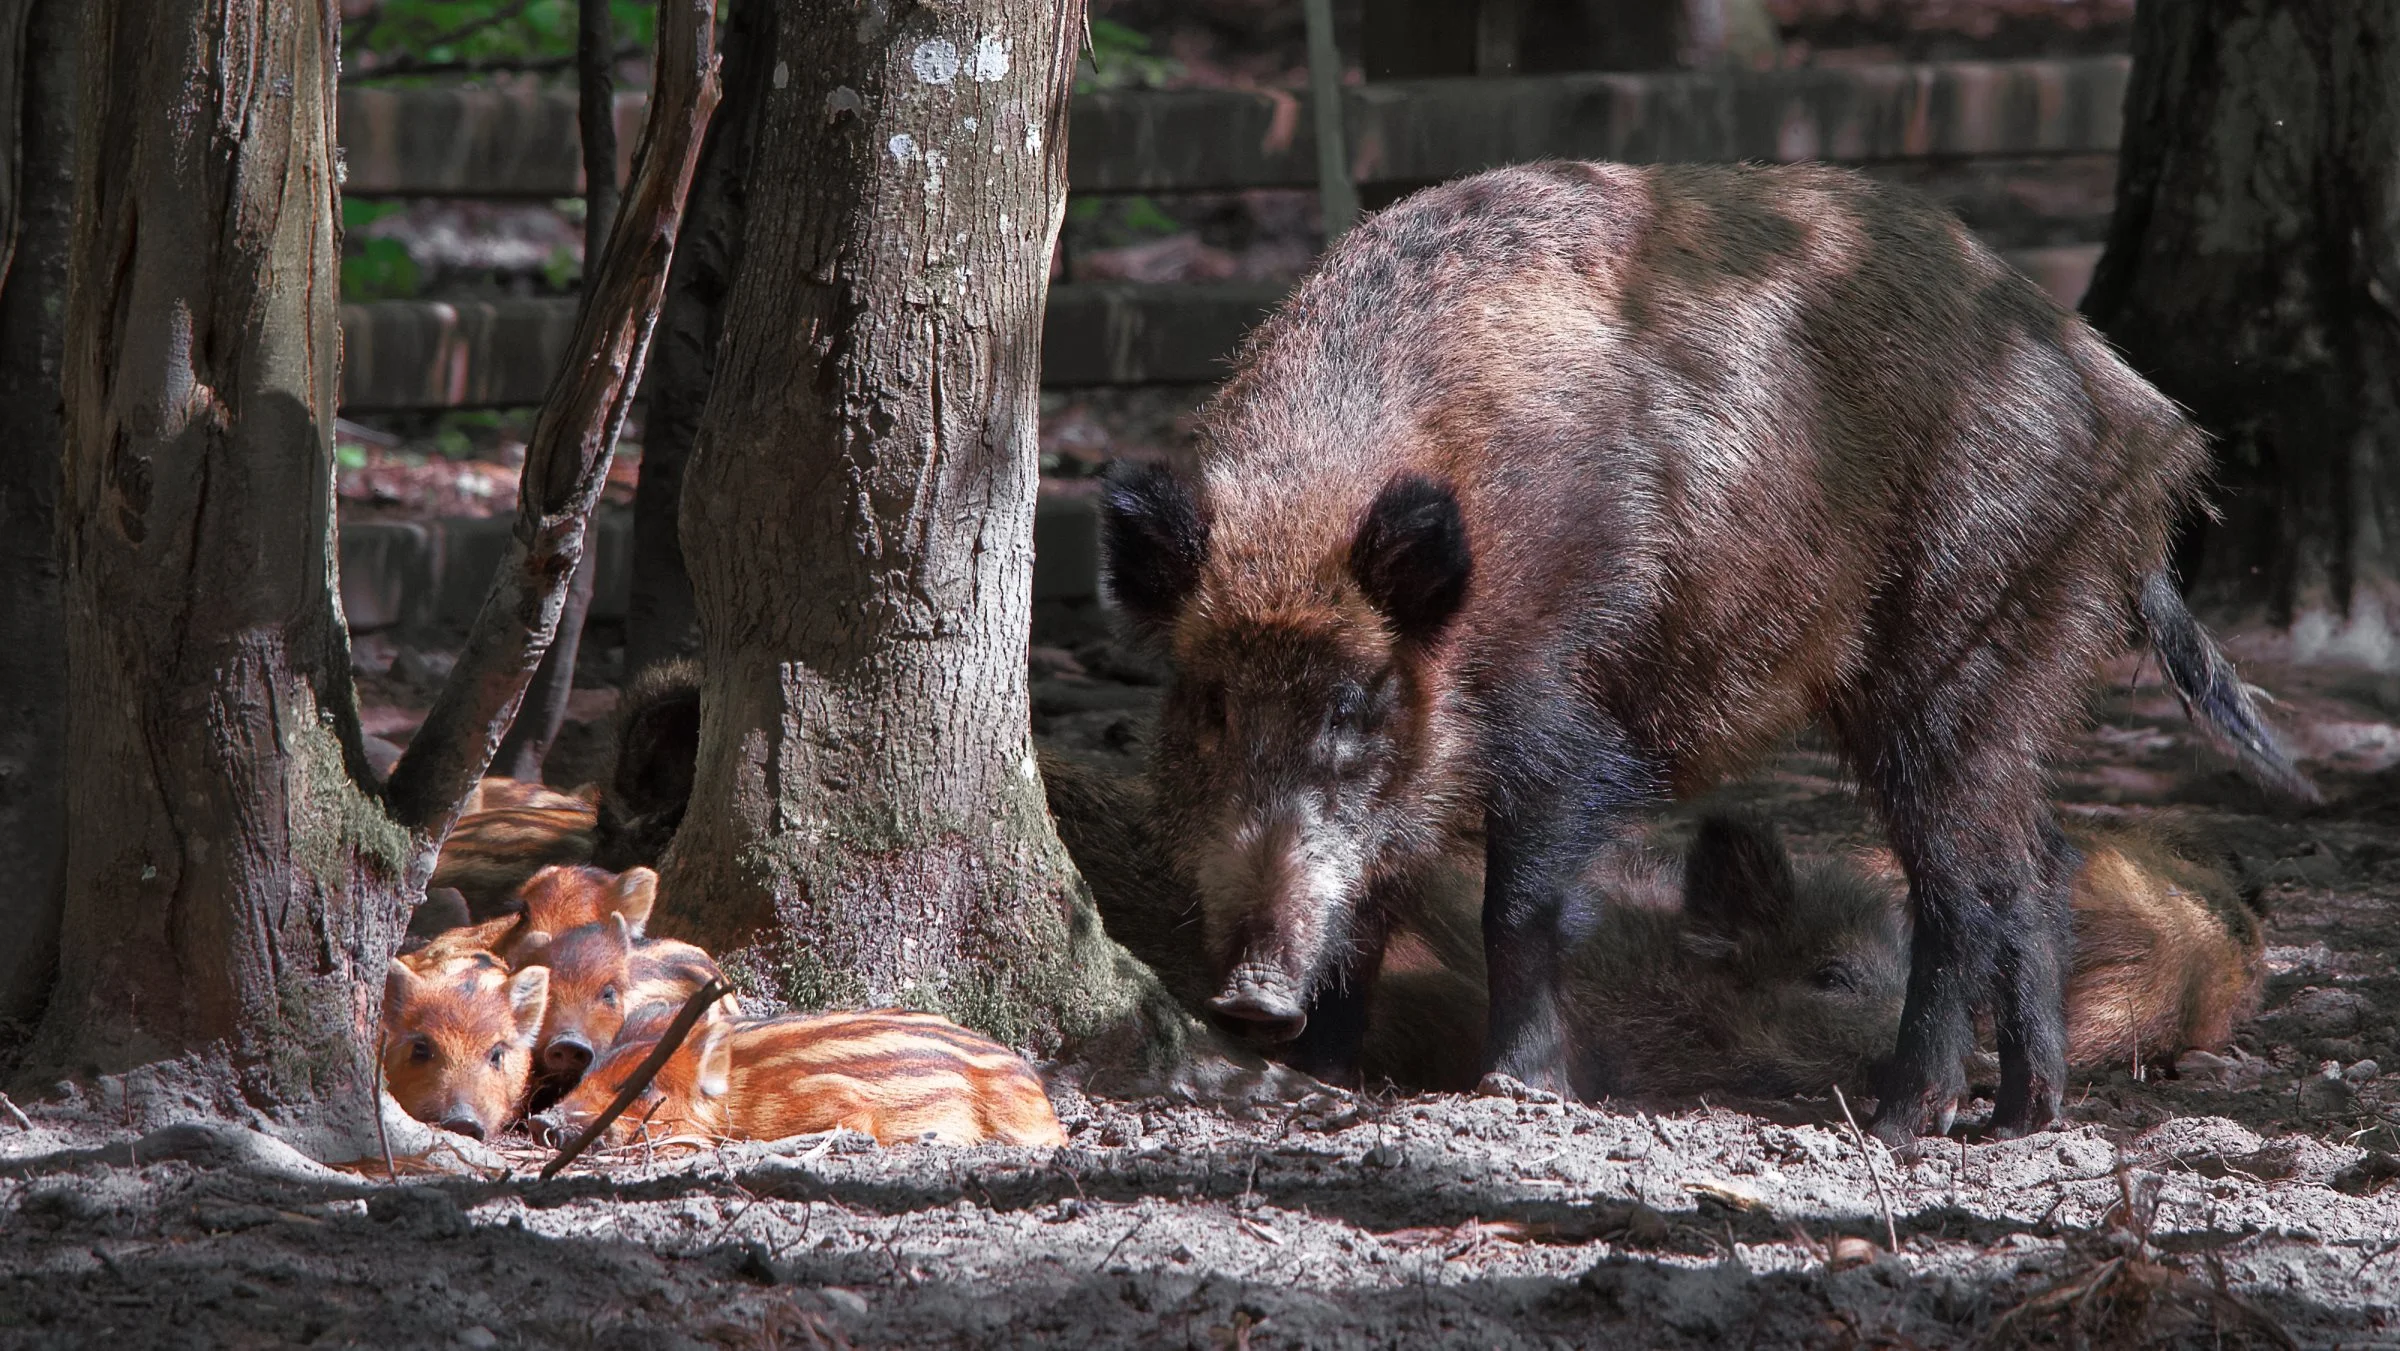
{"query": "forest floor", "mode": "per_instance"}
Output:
(2243, 1202)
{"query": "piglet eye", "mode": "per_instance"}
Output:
(420, 1051)
(608, 996)
(498, 1056)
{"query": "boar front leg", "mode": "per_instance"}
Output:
(1533, 855)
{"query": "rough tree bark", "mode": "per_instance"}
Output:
(37, 170)
(660, 618)
(230, 887)
(2253, 272)
(868, 825)
(234, 885)
(544, 710)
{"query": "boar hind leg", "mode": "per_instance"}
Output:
(2035, 949)
(1982, 888)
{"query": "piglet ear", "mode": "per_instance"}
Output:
(529, 999)
(1152, 542)
(633, 896)
(532, 948)
(398, 984)
(1410, 556)
(1737, 875)
(716, 1061)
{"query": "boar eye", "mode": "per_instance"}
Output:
(1833, 976)
(1210, 707)
(420, 1050)
(1351, 709)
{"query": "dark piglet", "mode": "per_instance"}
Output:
(1570, 487)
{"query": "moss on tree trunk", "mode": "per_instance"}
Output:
(868, 825)
(2253, 272)
(231, 890)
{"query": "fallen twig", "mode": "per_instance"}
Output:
(1891, 1232)
(17, 1114)
(685, 1019)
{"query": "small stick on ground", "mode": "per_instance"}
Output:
(16, 1113)
(685, 1019)
(391, 1171)
(1891, 1232)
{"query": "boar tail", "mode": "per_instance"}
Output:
(2213, 695)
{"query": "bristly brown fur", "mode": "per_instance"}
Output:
(1733, 447)
(657, 742)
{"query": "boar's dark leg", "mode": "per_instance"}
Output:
(1964, 819)
(2036, 946)
(1561, 791)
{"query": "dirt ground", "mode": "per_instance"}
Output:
(2243, 1201)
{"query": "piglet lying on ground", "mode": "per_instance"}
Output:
(897, 1076)
(599, 974)
(458, 1040)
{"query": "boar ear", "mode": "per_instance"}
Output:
(1737, 875)
(529, 999)
(716, 1061)
(633, 896)
(1152, 541)
(1410, 556)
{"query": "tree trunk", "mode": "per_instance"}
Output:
(660, 618)
(544, 711)
(2253, 272)
(38, 168)
(868, 825)
(231, 891)
(234, 885)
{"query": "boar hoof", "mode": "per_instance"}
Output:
(1500, 1085)
(1259, 1015)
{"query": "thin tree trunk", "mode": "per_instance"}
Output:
(660, 621)
(566, 463)
(544, 710)
(39, 172)
(231, 890)
(867, 824)
(2253, 272)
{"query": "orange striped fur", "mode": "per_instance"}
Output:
(895, 1075)
(508, 832)
(599, 974)
(553, 901)
(458, 1041)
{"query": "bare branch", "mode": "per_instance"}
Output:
(574, 438)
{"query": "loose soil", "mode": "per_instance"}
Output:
(2240, 1198)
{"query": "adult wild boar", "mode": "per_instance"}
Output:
(1568, 487)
